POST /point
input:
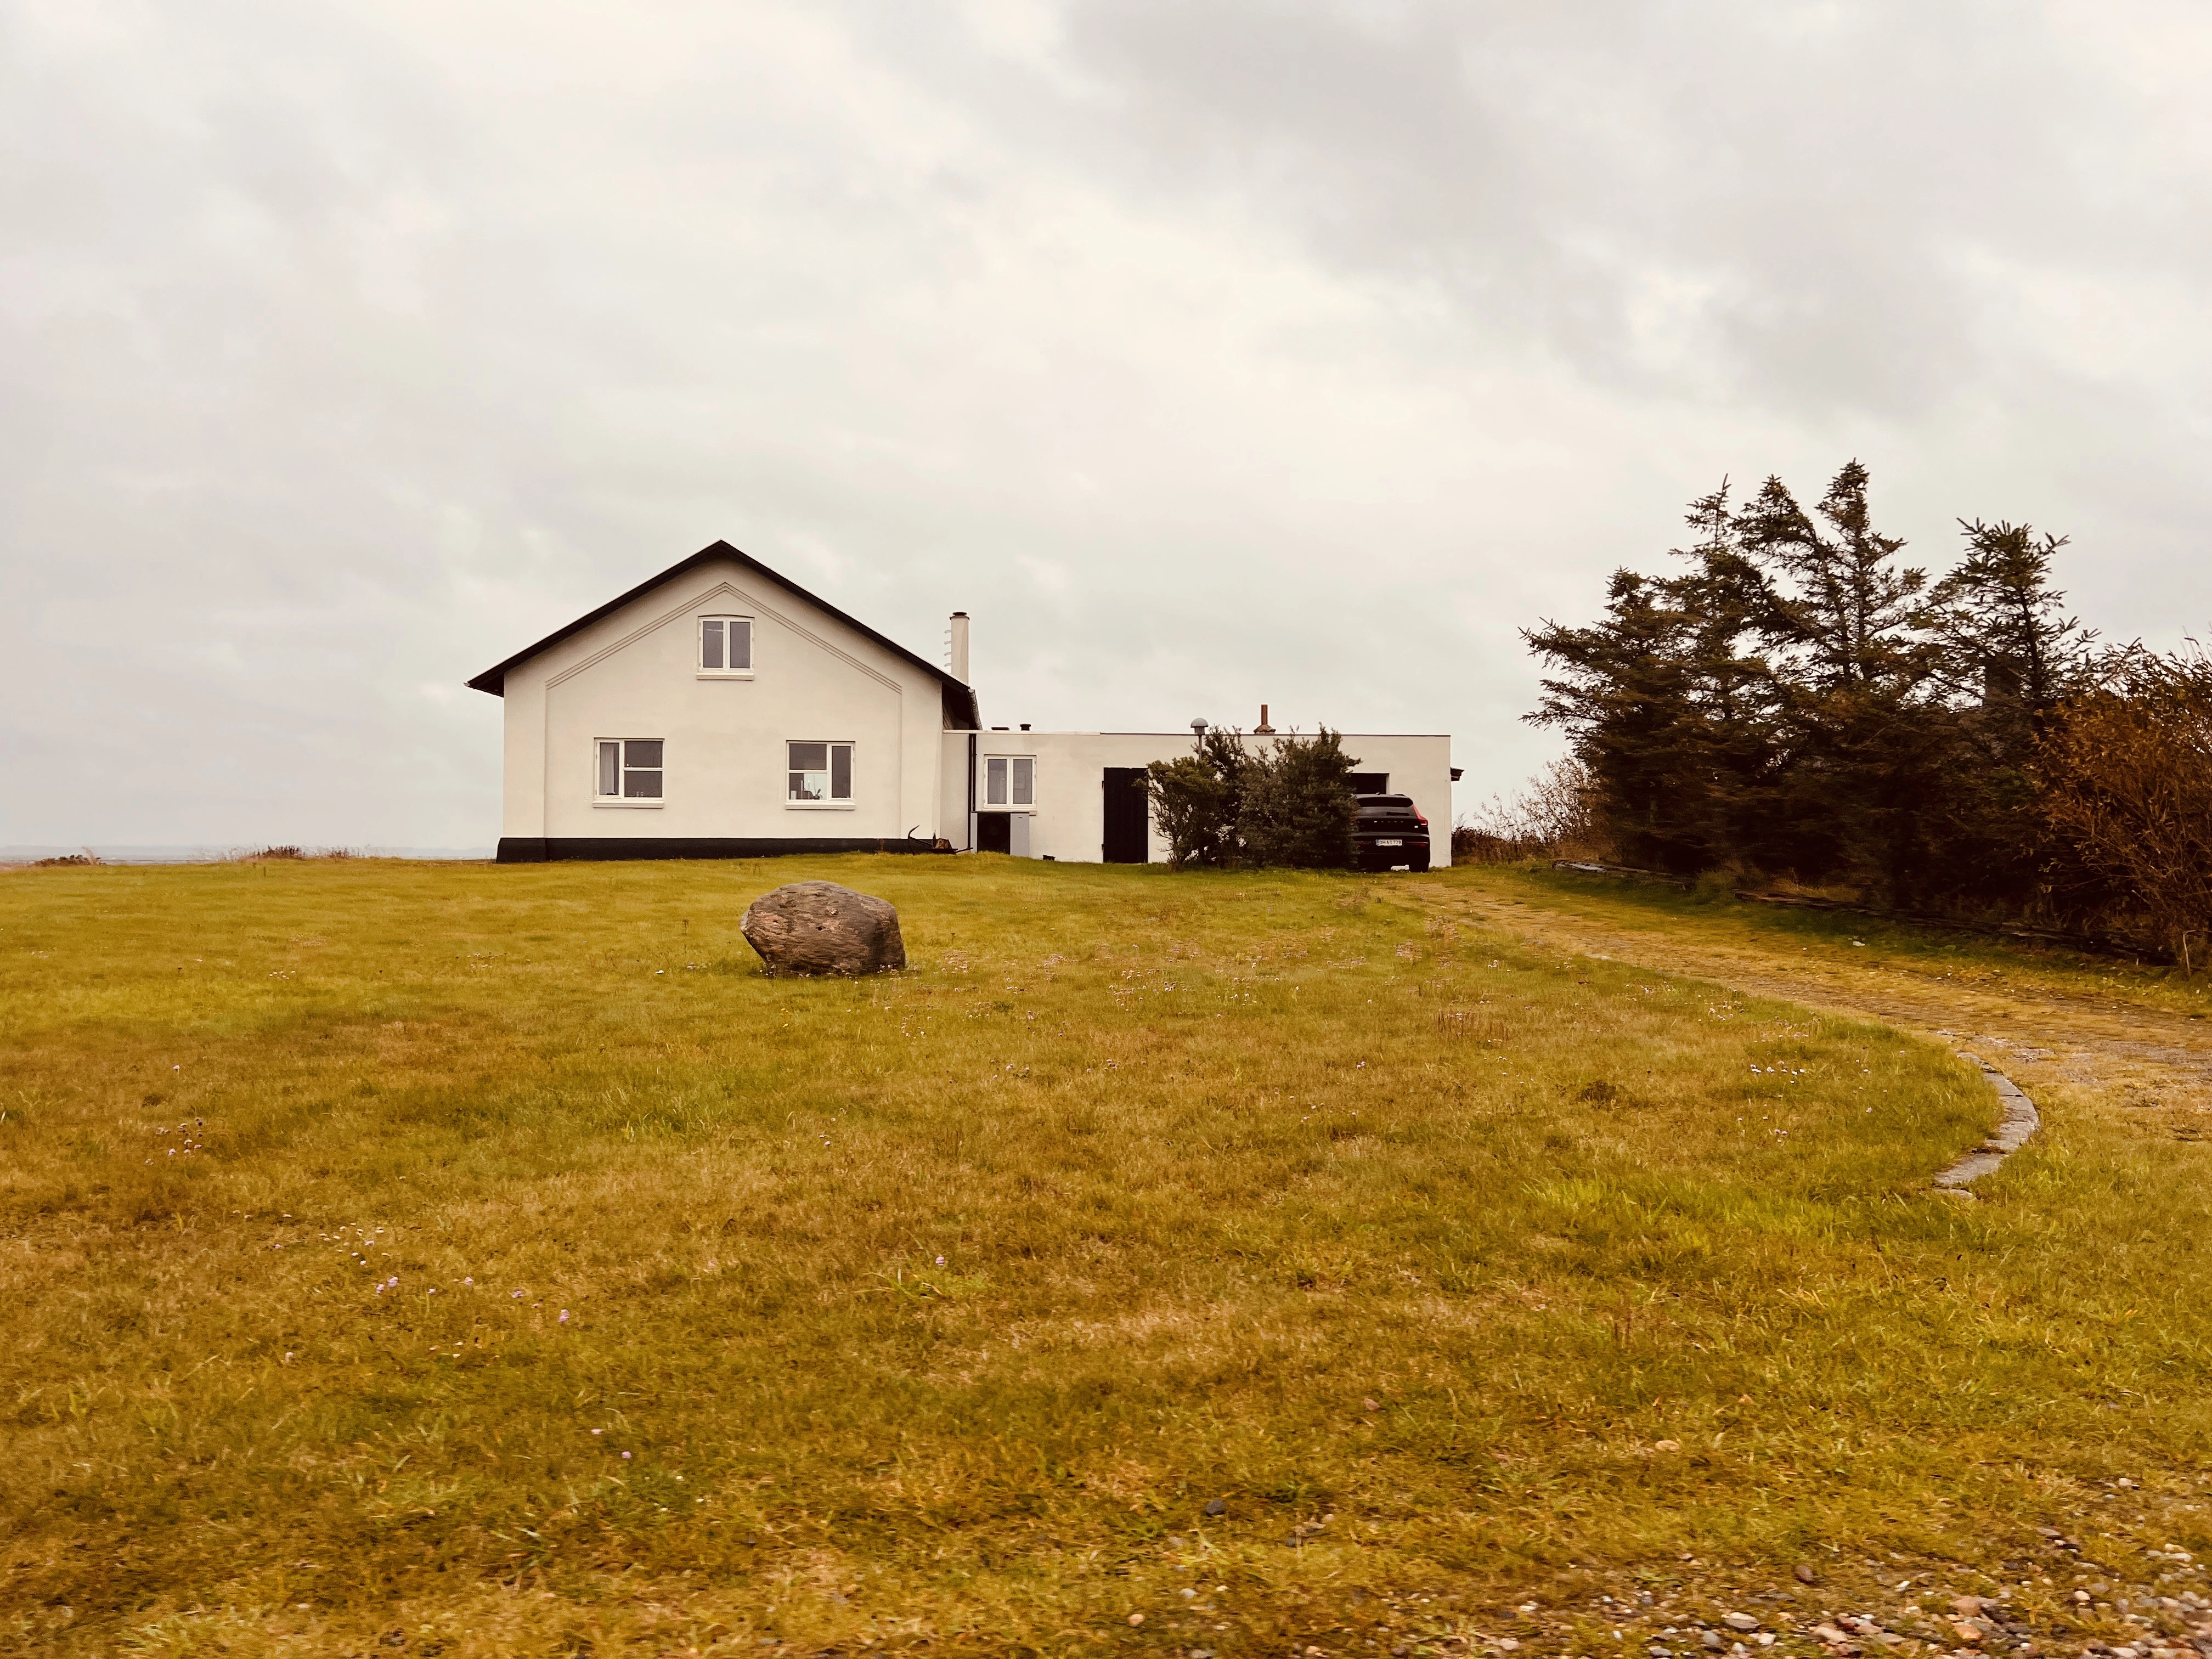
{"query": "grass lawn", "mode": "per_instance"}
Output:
(466, 1260)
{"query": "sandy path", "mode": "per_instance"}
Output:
(2158, 1061)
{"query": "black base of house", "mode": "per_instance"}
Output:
(554, 849)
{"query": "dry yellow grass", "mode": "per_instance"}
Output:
(490, 1260)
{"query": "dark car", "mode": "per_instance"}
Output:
(1389, 831)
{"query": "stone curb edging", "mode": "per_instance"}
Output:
(2019, 1122)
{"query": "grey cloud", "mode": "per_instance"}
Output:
(1794, 191)
(1208, 354)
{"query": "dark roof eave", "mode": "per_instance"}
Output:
(961, 711)
(494, 679)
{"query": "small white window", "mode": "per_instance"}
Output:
(1009, 780)
(630, 768)
(725, 645)
(820, 772)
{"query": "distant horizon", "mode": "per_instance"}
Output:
(202, 853)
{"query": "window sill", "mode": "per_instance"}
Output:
(725, 674)
(629, 805)
(817, 806)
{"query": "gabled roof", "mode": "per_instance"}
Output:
(960, 711)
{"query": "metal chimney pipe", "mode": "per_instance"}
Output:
(959, 663)
(1263, 729)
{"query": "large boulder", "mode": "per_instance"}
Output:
(819, 927)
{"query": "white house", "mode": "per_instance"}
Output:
(720, 711)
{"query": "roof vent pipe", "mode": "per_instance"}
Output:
(1263, 729)
(958, 663)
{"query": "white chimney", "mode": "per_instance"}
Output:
(959, 663)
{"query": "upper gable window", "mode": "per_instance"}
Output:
(725, 645)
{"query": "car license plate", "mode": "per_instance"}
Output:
(1389, 843)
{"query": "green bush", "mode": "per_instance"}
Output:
(1196, 800)
(1188, 798)
(1297, 806)
(1227, 803)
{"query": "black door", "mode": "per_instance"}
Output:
(992, 832)
(1127, 816)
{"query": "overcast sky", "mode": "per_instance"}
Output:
(1207, 352)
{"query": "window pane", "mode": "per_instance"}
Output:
(611, 769)
(809, 756)
(642, 751)
(994, 783)
(808, 786)
(1024, 783)
(741, 643)
(710, 642)
(840, 771)
(641, 786)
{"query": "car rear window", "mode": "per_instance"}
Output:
(1385, 804)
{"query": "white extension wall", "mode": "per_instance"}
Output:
(1068, 820)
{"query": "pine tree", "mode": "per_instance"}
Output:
(1845, 608)
(1621, 691)
(2002, 634)
(1865, 739)
(1669, 703)
(1794, 702)
(2009, 657)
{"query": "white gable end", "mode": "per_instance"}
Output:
(648, 676)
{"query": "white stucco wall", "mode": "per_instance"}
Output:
(634, 674)
(1068, 822)
(815, 678)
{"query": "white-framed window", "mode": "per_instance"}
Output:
(1010, 780)
(630, 768)
(820, 774)
(725, 645)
